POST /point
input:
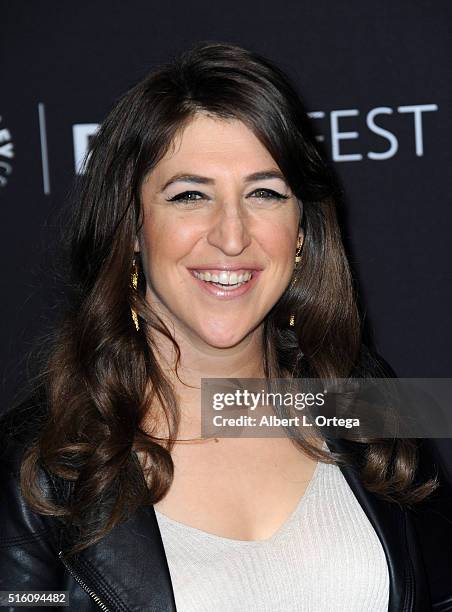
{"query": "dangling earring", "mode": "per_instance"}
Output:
(297, 261)
(134, 278)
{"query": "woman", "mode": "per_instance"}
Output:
(205, 245)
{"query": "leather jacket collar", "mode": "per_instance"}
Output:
(135, 549)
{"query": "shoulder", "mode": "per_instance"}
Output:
(431, 465)
(18, 430)
(20, 426)
(371, 364)
(431, 522)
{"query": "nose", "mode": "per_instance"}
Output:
(229, 231)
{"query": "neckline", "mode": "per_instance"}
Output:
(235, 541)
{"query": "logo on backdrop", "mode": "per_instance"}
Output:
(6, 154)
(338, 134)
(338, 129)
(337, 123)
(82, 134)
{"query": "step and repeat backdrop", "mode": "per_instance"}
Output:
(375, 80)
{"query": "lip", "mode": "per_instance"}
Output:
(228, 267)
(226, 294)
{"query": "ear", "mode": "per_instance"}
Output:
(137, 246)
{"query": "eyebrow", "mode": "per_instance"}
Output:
(204, 180)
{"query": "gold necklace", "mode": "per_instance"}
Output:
(197, 439)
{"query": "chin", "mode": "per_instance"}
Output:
(223, 338)
(222, 343)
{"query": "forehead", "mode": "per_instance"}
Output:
(211, 145)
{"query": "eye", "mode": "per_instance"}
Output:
(187, 196)
(269, 194)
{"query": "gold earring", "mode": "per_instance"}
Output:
(134, 278)
(297, 261)
(297, 254)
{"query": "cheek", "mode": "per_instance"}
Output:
(278, 240)
(166, 241)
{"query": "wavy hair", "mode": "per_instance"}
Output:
(101, 376)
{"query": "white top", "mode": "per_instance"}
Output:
(326, 557)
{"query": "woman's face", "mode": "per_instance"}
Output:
(219, 232)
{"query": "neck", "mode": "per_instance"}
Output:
(199, 360)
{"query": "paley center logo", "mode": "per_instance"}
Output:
(6, 154)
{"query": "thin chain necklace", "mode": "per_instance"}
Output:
(197, 440)
(189, 440)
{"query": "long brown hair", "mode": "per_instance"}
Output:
(101, 376)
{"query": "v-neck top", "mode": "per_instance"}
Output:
(326, 556)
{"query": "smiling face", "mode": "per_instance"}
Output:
(219, 234)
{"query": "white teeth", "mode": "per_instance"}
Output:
(225, 278)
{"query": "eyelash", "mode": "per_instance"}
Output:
(274, 195)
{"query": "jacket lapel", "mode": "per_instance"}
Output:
(127, 569)
(390, 523)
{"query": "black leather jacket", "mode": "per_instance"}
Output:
(127, 570)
